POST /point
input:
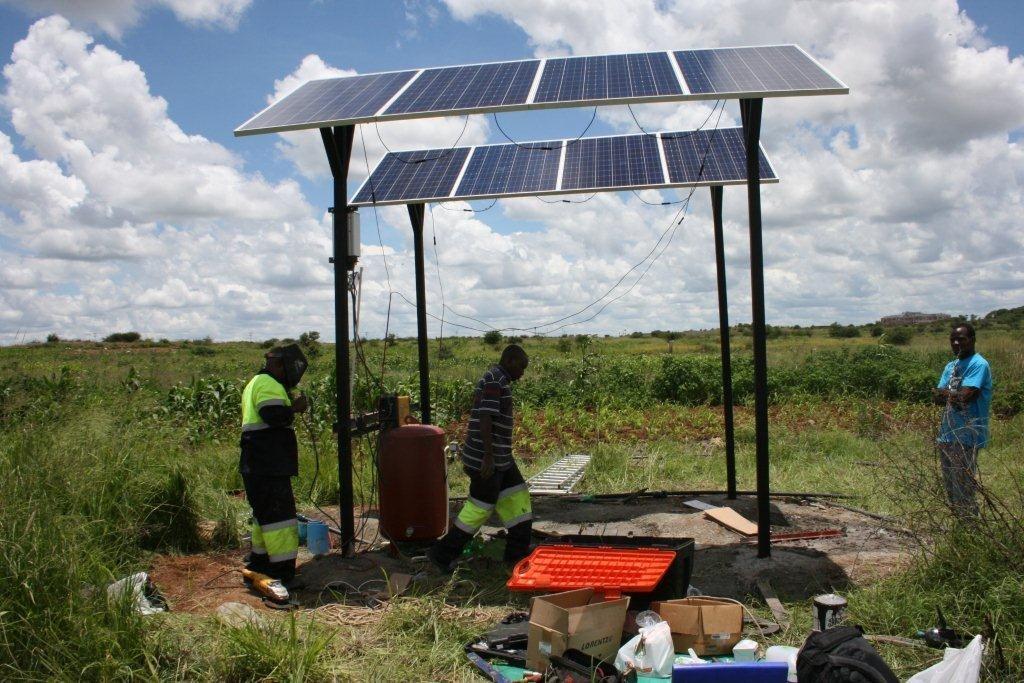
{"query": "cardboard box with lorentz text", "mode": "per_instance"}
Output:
(711, 626)
(579, 619)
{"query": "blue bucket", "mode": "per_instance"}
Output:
(316, 538)
(302, 532)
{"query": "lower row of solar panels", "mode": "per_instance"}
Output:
(619, 162)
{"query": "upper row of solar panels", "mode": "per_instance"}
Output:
(770, 71)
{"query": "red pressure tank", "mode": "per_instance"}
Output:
(413, 483)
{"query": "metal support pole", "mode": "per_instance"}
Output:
(416, 212)
(723, 325)
(338, 144)
(750, 111)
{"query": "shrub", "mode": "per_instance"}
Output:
(564, 345)
(877, 330)
(123, 337)
(690, 380)
(310, 343)
(52, 338)
(1008, 401)
(493, 337)
(899, 335)
(843, 331)
(268, 343)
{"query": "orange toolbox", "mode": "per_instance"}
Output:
(610, 571)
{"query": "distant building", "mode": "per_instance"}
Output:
(912, 318)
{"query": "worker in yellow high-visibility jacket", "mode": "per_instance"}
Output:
(270, 458)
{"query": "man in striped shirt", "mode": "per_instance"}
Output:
(495, 484)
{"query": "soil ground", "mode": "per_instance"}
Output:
(725, 564)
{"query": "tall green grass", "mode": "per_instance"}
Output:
(109, 458)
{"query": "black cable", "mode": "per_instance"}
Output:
(440, 285)
(567, 201)
(667, 231)
(442, 155)
(470, 210)
(469, 317)
(431, 315)
(675, 225)
(637, 195)
(308, 420)
(545, 148)
(373, 199)
(677, 136)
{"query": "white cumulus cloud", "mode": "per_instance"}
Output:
(115, 16)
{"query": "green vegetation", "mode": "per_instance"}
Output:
(113, 453)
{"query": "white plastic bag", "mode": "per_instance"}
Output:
(133, 590)
(650, 652)
(957, 666)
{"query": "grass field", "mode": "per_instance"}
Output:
(113, 452)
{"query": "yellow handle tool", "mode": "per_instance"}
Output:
(268, 587)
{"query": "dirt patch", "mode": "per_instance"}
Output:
(724, 562)
(200, 583)
(727, 564)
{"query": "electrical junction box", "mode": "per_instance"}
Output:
(352, 229)
(353, 233)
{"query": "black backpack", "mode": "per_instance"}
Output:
(841, 655)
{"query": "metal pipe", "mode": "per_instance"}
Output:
(723, 326)
(750, 110)
(338, 144)
(416, 214)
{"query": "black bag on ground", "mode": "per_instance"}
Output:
(841, 655)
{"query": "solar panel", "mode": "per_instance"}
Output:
(607, 78)
(319, 102)
(560, 82)
(602, 164)
(467, 87)
(773, 69)
(512, 169)
(405, 176)
(710, 156)
(621, 161)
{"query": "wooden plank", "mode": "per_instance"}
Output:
(731, 519)
(773, 602)
(801, 535)
(698, 504)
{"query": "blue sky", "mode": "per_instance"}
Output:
(869, 166)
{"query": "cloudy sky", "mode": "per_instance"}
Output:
(125, 202)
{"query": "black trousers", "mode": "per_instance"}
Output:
(275, 536)
(504, 492)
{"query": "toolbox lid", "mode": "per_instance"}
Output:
(610, 571)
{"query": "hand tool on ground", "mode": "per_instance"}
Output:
(269, 588)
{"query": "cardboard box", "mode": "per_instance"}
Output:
(579, 619)
(711, 626)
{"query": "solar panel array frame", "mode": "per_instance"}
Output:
(756, 72)
(600, 164)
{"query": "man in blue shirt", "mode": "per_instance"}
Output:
(965, 392)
